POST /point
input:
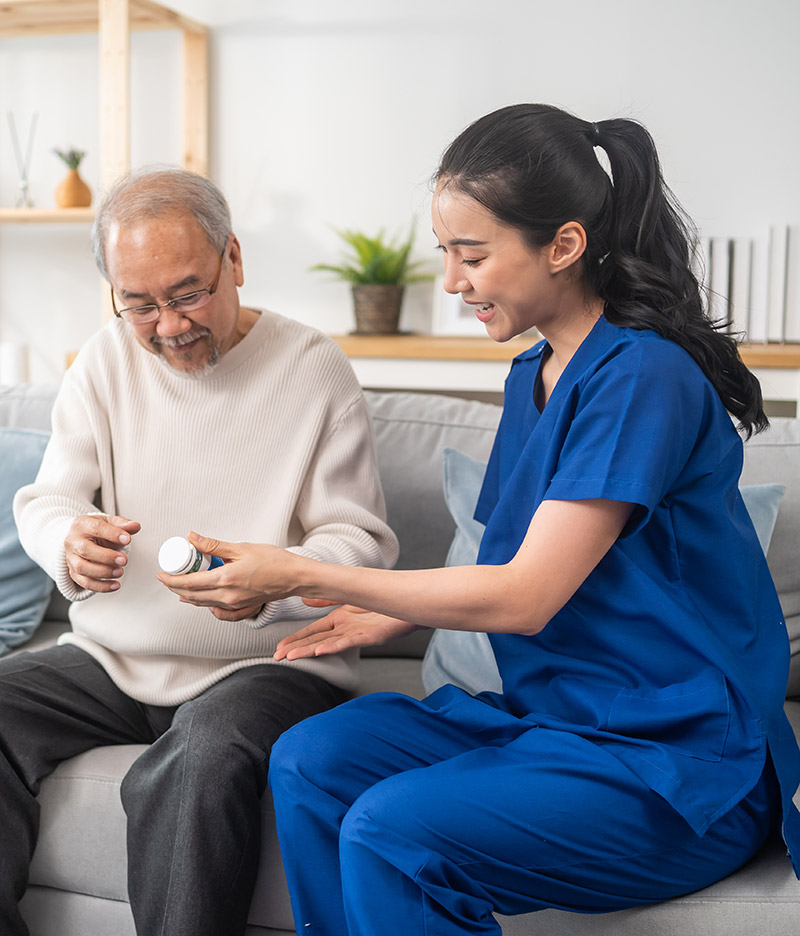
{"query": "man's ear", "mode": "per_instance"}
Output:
(236, 259)
(567, 247)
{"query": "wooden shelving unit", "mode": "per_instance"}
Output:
(113, 21)
(31, 17)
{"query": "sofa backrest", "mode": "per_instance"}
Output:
(774, 457)
(27, 406)
(411, 431)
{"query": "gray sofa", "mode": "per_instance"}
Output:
(77, 885)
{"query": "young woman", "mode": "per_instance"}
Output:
(639, 749)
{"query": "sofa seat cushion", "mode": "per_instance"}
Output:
(82, 850)
(81, 846)
(761, 898)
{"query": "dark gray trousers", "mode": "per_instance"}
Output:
(192, 799)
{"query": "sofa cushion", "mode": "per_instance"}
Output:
(763, 502)
(81, 847)
(24, 587)
(462, 478)
(81, 853)
(769, 457)
(27, 406)
(465, 658)
(412, 431)
(761, 898)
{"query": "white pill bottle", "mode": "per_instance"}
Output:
(177, 556)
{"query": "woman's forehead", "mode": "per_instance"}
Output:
(459, 219)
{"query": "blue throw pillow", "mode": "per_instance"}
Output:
(465, 658)
(24, 587)
(762, 502)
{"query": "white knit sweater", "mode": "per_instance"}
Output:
(274, 446)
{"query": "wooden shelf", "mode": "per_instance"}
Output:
(771, 355)
(45, 215)
(444, 348)
(56, 17)
(431, 347)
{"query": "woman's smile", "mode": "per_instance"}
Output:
(483, 311)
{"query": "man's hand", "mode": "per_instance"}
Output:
(94, 550)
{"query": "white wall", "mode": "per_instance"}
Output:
(334, 114)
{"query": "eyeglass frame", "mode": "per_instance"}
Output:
(170, 302)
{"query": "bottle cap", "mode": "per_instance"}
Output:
(175, 555)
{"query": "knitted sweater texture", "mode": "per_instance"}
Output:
(275, 446)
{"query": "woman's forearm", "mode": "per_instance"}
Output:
(469, 598)
(565, 541)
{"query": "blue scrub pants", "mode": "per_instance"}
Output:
(398, 817)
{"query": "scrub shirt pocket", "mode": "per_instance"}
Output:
(692, 717)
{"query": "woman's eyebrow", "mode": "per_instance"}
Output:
(463, 242)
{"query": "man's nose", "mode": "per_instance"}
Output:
(172, 323)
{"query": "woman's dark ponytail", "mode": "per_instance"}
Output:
(534, 167)
(647, 277)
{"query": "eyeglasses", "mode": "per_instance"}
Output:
(190, 302)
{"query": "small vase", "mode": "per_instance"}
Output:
(73, 192)
(377, 308)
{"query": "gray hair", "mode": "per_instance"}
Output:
(154, 191)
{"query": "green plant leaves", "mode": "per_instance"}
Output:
(376, 260)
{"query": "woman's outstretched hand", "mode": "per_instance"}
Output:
(342, 629)
(252, 575)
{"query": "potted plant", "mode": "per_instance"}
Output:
(378, 271)
(72, 192)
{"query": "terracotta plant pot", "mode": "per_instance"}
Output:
(73, 192)
(377, 308)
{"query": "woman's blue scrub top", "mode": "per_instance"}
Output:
(673, 654)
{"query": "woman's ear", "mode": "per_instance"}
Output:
(567, 247)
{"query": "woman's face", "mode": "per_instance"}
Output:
(511, 285)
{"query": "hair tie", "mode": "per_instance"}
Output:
(596, 138)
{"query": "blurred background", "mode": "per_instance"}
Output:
(328, 115)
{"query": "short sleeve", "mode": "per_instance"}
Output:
(636, 421)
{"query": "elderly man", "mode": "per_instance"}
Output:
(187, 411)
